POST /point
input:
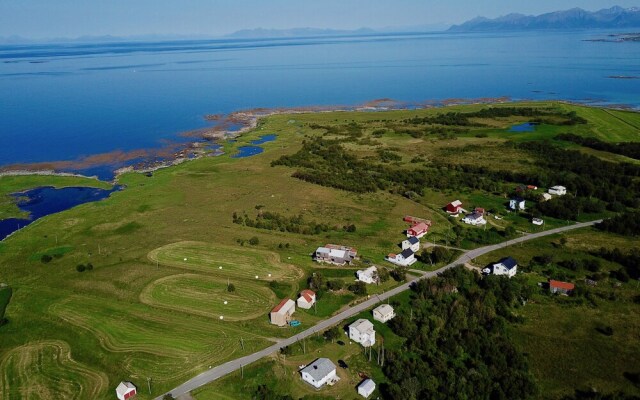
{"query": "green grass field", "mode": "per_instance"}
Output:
(564, 348)
(144, 311)
(46, 370)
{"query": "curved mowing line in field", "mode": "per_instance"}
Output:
(164, 344)
(45, 370)
(235, 262)
(205, 295)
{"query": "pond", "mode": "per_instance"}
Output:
(247, 151)
(526, 127)
(264, 139)
(43, 201)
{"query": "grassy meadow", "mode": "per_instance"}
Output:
(164, 249)
(560, 336)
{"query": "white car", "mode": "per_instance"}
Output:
(537, 221)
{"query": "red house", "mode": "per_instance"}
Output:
(418, 230)
(125, 390)
(561, 287)
(454, 207)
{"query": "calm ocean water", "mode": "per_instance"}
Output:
(62, 102)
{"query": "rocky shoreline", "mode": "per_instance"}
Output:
(229, 126)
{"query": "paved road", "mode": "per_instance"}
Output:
(234, 365)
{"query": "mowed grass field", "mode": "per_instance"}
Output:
(146, 312)
(249, 271)
(45, 370)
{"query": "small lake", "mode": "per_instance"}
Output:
(247, 151)
(48, 200)
(264, 139)
(526, 127)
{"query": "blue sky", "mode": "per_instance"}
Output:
(73, 18)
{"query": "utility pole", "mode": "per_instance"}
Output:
(242, 343)
(149, 384)
(242, 371)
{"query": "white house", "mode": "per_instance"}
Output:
(281, 314)
(307, 299)
(369, 275)
(319, 372)
(383, 313)
(474, 218)
(404, 259)
(331, 256)
(517, 203)
(507, 266)
(362, 332)
(366, 388)
(558, 190)
(546, 197)
(537, 221)
(412, 243)
(125, 390)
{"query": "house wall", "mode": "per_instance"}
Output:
(317, 384)
(302, 303)
(382, 317)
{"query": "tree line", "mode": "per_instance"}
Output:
(456, 341)
(628, 149)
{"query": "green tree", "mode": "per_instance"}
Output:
(335, 284)
(358, 288)
(231, 288)
(383, 274)
(254, 241)
(5, 297)
(332, 333)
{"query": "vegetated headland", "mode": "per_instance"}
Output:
(227, 126)
(134, 287)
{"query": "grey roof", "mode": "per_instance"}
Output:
(406, 253)
(319, 368)
(124, 387)
(362, 325)
(413, 240)
(474, 215)
(367, 385)
(518, 199)
(384, 309)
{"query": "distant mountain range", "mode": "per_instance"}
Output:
(296, 32)
(576, 18)
(313, 32)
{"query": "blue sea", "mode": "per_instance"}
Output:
(68, 101)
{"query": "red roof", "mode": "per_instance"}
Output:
(308, 295)
(419, 227)
(280, 305)
(561, 285)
